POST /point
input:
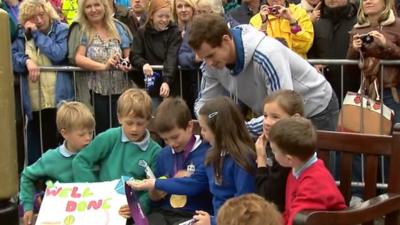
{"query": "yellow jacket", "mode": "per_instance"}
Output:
(69, 9)
(300, 42)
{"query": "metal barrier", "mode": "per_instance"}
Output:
(339, 62)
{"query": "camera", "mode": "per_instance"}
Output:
(366, 38)
(124, 62)
(273, 10)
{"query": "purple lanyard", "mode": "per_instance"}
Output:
(186, 151)
(134, 206)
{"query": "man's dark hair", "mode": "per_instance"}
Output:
(209, 28)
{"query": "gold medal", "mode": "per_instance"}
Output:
(178, 201)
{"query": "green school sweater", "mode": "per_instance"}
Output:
(51, 166)
(115, 158)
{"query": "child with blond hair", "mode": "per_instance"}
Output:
(76, 124)
(124, 150)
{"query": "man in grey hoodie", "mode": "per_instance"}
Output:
(244, 63)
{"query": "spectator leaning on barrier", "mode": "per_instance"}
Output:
(248, 65)
(103, 44)
(41, 41)
(287, 22)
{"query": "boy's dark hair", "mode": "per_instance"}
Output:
(172, 113)
(249, 209)
(208, 28)
(294, 136)
(290, 101)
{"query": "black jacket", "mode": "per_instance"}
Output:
(157, 48)
(331, 40)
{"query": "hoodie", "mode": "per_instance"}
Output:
(263, 66)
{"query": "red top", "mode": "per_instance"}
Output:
(314, 189)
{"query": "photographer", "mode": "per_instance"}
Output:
(286, 22)
(377, 36)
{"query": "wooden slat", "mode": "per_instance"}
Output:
(371, 175)
(346, 161)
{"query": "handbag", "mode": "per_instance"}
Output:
(361, 114)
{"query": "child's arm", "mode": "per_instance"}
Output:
(244, 181)
(191, 186)
(84, 161)
(30, 175)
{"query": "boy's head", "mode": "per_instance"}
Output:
(248, 209)
(75, 123)
(280, 105)
(134, 113)
(173, 122)
(293, 140)
(212, 41)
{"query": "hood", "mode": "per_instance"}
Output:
(246, 39)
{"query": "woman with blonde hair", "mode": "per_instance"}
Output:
(375, 36)
(183, 12)
(41, 41)
(104, 49)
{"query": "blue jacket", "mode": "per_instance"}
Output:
(54, 46)
(236, 181)
(166, 166)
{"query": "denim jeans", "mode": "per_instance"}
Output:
(327, 119)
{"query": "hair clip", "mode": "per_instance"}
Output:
(211, 115)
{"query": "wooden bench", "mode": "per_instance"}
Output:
(384, 206)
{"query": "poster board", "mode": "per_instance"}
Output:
(82, 204)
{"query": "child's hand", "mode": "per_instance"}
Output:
(146, 184)
(28, 215)
(260, 150)
(182, 173)
(147, 70)
(202, 218)
(124, 211)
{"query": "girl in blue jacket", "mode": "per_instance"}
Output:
(229, 165)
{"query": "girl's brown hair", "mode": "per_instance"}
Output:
(231, 135)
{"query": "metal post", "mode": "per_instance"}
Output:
(8, 153)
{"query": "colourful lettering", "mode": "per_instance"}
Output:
(64, 192)
(74, 193)
(71, 206)
(87, 192)
(82, 206)
(53, 191)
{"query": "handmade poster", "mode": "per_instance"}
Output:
(82, 204)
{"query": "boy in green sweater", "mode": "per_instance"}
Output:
(124, 150)
(76, 124)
